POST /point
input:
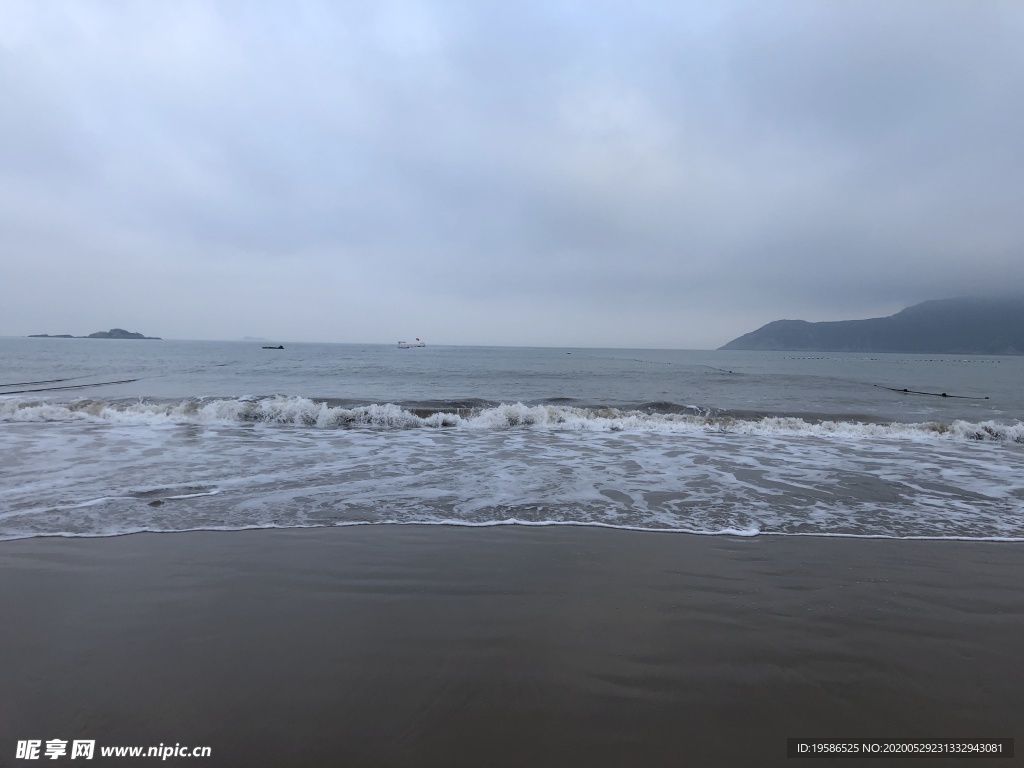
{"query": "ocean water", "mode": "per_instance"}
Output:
(106, 437)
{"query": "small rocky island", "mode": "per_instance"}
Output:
(113, 333)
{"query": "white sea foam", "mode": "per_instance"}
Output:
(304, 412)
(72, 478)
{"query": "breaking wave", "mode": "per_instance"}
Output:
(309, 413)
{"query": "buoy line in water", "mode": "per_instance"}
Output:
(931, 394)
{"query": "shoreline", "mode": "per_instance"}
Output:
(725, 534)
(417, 645)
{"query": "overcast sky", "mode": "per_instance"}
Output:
(549, 173)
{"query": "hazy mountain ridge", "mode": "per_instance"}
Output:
(113, 333)
(966, 326)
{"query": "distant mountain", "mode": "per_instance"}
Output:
(113, 333)
(966, 326)
(120, 333)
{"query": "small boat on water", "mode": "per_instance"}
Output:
(410, 344)
(277, 347)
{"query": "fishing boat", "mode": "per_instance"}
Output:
(410, 344)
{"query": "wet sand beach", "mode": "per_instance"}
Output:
(506, 646)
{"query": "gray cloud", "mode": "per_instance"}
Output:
(567, 173)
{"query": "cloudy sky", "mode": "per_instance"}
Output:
(652, 174)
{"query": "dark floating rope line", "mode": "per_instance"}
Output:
(80, 386)
(71, 386)
(28, 383)
(932, 394)
(45, 381)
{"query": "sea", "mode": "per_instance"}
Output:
(103, 437)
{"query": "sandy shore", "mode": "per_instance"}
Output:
(434, 646)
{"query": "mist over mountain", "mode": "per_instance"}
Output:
(989, 326)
